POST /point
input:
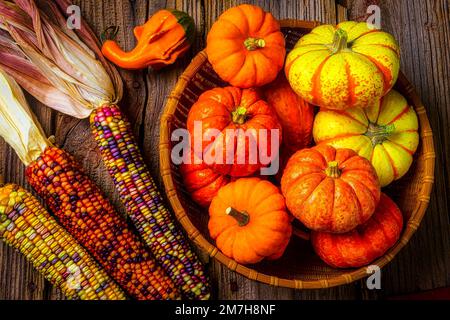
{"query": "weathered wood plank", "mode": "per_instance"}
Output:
(341, 13)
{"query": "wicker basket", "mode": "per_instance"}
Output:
(299, 267)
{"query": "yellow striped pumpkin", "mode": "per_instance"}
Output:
(385, 133)
(343, 66)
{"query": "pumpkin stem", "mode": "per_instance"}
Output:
(378, 134)
(241, 217)
(239, 115)
(340, 41)
(186, 22)
(254, 43)
(333, 170)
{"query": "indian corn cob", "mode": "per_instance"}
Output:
(143, 201)
(29, 228)
(78, 203)
(74, 78)
(83, 210)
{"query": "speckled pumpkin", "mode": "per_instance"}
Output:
(385, 133)
(330, 190)
(246, 47)
(343, 66)
(201, 181)
(363, 245)
(249, 222)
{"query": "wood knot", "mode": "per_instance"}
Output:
(234, 286)
(32, 286)
(136, 85)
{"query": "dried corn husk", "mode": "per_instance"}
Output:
(18, 125)
(51, 62)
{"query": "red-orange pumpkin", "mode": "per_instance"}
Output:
(295, 114)
(331, 190)
(243, 113)
(249, 222)
(201, 181)
(364, 244)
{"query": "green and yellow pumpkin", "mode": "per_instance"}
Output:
(343, 66)
(385, 133)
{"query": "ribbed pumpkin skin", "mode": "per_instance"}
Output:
(326, 202)
(363, 245)
(232, 59)
(295, 114)
(269, 229)
(214, 110)
(202, 182)
(386, 133)
(356, 74)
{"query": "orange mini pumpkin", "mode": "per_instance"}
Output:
(295, 114)
(246, 47)
(331, 190)
(249, 222)
(201, 182)
(363, 245)
(244, 125)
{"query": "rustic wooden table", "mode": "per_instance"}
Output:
(423, 31)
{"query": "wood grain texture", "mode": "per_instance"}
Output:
(422, 29)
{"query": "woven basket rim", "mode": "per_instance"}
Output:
(426, 139)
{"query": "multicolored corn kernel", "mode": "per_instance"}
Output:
(29, 228)
(144, 204)
(82, 209)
